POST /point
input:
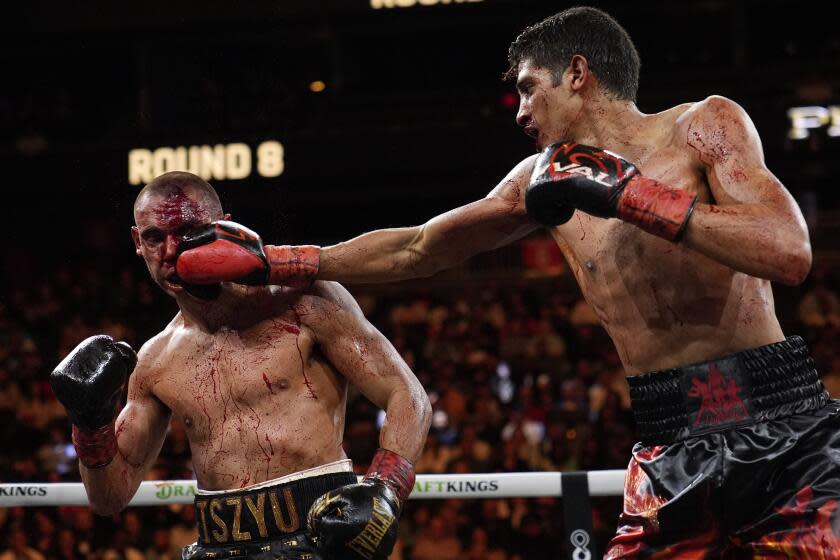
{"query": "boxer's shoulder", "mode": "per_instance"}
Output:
(326, 304)
(327, 295)
(513, 186)
(157, 352)
(526, 166)
(707, 117)
(714, 105)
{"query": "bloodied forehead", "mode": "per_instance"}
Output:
(175, 199)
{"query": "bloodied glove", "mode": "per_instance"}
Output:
(89, 383)
(605, 185)
(225, 251)
(359, 521)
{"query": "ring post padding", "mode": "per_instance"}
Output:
(577, 517)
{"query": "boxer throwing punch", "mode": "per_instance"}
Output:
(258, 376)
(674, 228)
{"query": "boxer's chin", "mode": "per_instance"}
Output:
(171, 284)
(172, 287)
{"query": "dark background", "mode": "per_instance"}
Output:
(412, 121)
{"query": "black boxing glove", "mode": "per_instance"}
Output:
(359, 521)
(225, 251)
(605, 185)
(89, 383)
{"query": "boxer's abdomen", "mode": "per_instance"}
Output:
(257, 405)
(665, 305)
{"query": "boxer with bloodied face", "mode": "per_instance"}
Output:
(259, 376)
(674, 228)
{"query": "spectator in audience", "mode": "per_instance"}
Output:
(19, 547)
(437, 542)
(532, 541)
(45, 532)
(820, 306)
(162, 548)
(121, 548)
(66, 547)
(481, 549)
(435, 457)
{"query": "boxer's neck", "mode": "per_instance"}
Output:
(605, 121)
(236, 307)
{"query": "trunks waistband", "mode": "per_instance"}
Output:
(753, 385)
(264, 512)
(342, 465)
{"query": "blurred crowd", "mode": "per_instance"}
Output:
(520, 375)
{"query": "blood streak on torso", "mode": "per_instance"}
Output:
(263, 400)
(661, 303)
(295, 330)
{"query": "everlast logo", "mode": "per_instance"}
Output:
(226, 517)
(23, 491)
(461, 486)
(367, 542)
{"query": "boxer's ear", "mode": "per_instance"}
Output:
(578, 71)
(135, 236)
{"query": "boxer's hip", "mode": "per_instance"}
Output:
(738, 453)
(265, 520)
(755, 385)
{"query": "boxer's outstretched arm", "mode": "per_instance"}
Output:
(365, 357)
(445, 241)
(140, 428)
(754, 225)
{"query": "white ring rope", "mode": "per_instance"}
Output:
(427, 486)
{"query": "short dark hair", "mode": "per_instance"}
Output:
(589, 32)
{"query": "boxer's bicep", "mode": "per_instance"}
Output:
(477, 227)
(371, 363)
(751, 224)
(355, 347)
(141, 425)
(730, 152)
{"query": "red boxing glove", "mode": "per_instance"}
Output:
(603, 184)
(229, 252)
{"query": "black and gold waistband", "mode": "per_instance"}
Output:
(264, 514)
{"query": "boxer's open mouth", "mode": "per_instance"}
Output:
(174, 281)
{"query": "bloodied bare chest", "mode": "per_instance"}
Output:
(661, 302)
(256, 404)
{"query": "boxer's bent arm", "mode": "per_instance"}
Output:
(365, 357)
(140, 428)
(754, 226)
(445, 241)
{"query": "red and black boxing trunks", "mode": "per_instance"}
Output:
(739, 458)
(264, 522)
